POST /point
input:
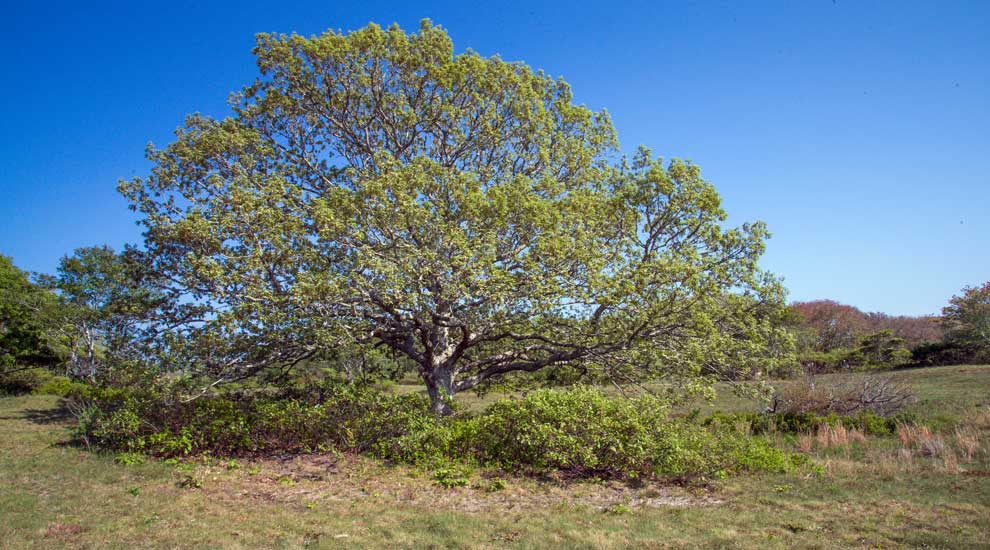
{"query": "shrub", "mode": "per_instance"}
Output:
(881, 395)
(63, 387)
(449, 478)
(348, 419)
(23, 381)
(932, 354)
(584, 432)
(581, 432)
(796, 423)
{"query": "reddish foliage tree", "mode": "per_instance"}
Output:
(832, 325)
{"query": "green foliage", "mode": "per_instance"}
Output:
(588, 433)
(129, 459)
(24, 381)
(967, 318)
(935, 354)
(585, 432)
(450, 478)
(375, 188)
(769, 423)
(882, 349)
(834, 360)
(581, 432)
(348, 418)
(617, 510)
(495, 485)
(105, 299)
(23, 306)
(64, 387)
(966, 325)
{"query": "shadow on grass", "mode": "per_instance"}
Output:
(58, 414)
(55, 415)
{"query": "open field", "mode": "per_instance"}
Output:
(945, 391)
(878, 492)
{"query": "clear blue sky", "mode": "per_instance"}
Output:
(859, 131)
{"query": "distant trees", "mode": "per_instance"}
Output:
(105, 303)
(92, 316)
(966, 319)
(830, 325)
(915, 330)
(23, 331)
(881, 349)
(966, 322)
(833, 336)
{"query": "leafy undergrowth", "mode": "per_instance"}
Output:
(578, 432)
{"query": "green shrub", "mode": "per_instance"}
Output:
(581, 431)
(586, 432)
(24, 381)
(348, 419)
(766, 423)
(450, 478)
(64, 387)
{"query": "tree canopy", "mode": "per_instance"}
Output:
(375, 188)
(23, 339)
(967, 318)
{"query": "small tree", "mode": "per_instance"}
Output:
(966, 320)
(882, 349)
(105, 303)
(833, 325)
(373, 188)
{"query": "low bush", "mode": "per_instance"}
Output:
(931, 354)
(587, 433)
(767, 423)
(23, 381)
(580, 432)
(877, 394)
(348, 419)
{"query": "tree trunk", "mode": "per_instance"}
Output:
(440, 387)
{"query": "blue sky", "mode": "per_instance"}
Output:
(859, 131)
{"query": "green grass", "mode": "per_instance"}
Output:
(871, 494)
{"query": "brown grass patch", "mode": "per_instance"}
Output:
(63, 530)
(355, 479)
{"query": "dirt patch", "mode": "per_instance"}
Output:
(306, 480)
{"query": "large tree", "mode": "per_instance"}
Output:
(374, 188)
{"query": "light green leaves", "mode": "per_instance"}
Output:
(373, 187)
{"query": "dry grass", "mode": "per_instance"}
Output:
(968, 441)
(921, 439)
(829, 437)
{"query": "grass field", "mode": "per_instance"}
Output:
(875, 493)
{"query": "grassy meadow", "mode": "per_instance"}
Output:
(928, 486)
